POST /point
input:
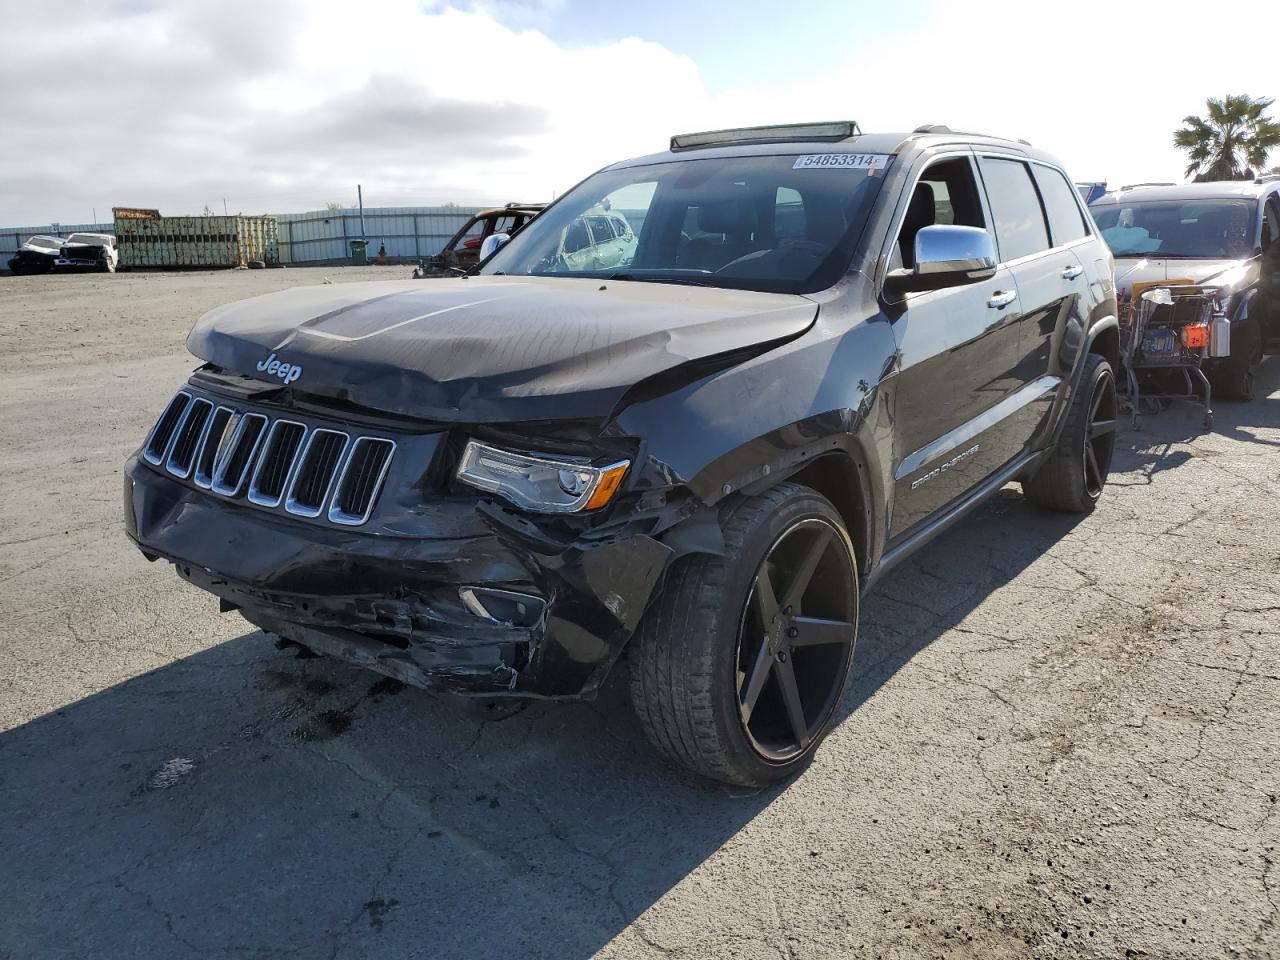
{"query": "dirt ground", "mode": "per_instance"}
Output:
(1062, 738)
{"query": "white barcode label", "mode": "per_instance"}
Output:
(841, 161)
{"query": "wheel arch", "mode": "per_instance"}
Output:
(1105, 341)
(842, 477)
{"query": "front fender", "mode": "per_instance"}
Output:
(750, 426)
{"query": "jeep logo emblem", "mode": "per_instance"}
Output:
(288, 372)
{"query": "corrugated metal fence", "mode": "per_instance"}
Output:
(407, 232)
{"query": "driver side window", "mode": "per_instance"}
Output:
(946, 193)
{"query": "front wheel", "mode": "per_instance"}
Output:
(738, 668)
(1072, 476)
(1234, 378)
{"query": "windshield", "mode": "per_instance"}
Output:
(786, 224)
(1190, 229)
(44, 243)
(95, 239)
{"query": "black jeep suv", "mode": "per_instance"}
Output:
(823, 348)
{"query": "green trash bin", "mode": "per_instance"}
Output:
(359, 251)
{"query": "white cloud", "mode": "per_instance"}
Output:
(286, 105)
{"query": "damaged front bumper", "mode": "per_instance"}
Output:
(461, 601)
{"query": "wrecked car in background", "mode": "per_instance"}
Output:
(88, 251)
(597, 240)
(37, 255)
(823, 348)
(463, 250)
(1223, 238)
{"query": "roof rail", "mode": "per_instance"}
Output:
(1154, 183)
(833, 130)
(943, 128)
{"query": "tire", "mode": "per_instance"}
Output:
(1234, 378)
(1073, 474)
(688, 685)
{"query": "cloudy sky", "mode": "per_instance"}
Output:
(284, 105)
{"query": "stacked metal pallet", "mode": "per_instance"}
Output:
(146, 239)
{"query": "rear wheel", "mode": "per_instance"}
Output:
(1072, 477)
(738, 668)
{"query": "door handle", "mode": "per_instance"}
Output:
(1070, 273)
(1001, 299)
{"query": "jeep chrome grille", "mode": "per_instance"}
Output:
(187, 437)
(309, 471)
(311, 484)
(276, 463)
(162, 433)
(240, 440)
(207, 449)
(361, 476)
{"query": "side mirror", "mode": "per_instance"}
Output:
(946, 256)
(492, 243)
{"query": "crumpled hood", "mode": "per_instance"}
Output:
(1131, 270)
(488, 349)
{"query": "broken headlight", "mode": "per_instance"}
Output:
(541, 484)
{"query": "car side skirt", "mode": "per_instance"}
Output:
(947, 518)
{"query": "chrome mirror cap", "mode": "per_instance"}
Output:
(945, 256)
(944, 249)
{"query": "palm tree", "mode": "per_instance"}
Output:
(1231, 141)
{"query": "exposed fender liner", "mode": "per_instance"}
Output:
(701, 532)
(944, 521)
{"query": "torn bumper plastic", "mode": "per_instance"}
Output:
(416, 607)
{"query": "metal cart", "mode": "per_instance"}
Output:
(1168, 328)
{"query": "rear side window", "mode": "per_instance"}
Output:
(1015, 207)
(601, 229)
(1066, 220)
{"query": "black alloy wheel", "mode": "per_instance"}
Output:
(1100, 437)
(795, 640)
(738, 667)
(1072, 475)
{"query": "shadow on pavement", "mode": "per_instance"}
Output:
(1154, 447)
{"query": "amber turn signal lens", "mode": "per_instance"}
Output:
(610, 480)
(1195, 335)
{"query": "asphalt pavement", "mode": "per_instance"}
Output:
(1061, 738)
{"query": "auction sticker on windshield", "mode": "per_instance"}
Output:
(841, 161)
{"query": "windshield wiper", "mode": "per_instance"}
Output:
(659, 278)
